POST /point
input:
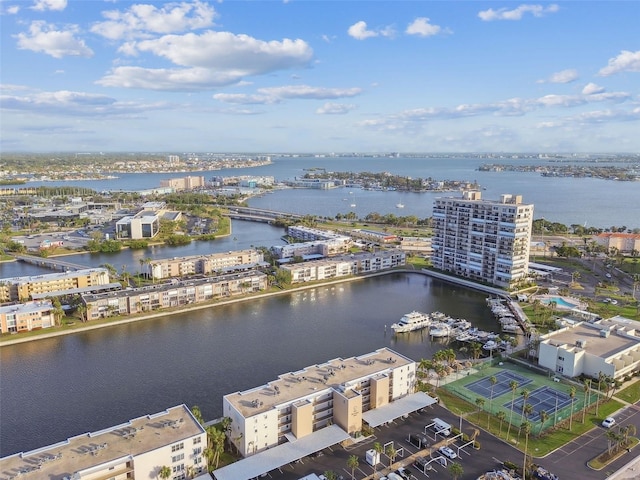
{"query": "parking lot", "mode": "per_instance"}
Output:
(435, 464)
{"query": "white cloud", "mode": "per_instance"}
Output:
(13, 9)
(43, 5)
(626, 61)
(212, 59)
(43, 38)
(142, 20)
(244, 99)
(517, 13)
(308, 92)
(65, 102)
(564, 76)
(591, 88)
(360, 31)
(335, 108)
(421, 27)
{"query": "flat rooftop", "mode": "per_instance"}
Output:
(314, 379)
(595, 344)
(135, 437)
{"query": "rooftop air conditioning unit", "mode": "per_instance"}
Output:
(604, 333)
(581, 343)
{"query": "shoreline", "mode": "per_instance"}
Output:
(88, 327)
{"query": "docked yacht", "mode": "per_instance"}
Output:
(411, 321)
(440, 329)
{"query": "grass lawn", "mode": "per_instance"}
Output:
(631, 393)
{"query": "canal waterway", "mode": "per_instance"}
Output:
(59, 387)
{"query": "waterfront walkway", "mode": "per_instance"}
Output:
(54, 264)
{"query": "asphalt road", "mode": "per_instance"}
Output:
(568, 462)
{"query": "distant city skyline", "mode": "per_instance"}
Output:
(319, 76)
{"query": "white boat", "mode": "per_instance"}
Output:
(440, 329)
(491, 345)
(411, 321)
(400, 205)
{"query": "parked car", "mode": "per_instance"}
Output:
(420, 463)
(608, 422)
(419, 440)
(447, 452)
(404, 472)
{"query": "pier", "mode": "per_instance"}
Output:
(260, 215)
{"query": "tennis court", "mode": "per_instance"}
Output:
(504, 378)
(543, 398)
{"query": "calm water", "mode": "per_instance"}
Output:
(56, 388)
(565, 200)
(245, 235)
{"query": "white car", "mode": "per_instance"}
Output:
(608, 422)
(447, 452)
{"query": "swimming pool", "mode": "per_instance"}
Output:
(560, 302)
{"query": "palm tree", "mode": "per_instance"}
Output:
(377, 447)
(197, 414)
(501, 416)
(391, 453)
(352, 464)
(527, 409)
(544, 416)
(164, 472)
(82, 311)
(493, 381)
(602, 377)
(480, 405)
(525, 396)
(330, 475)
(586, 386)
(612, 438)
(526, 428)
(514, 386)
(572, 394)
(476, 350)
(456, 470)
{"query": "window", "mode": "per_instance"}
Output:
(177, 446)
(177, 458)
(197, 440)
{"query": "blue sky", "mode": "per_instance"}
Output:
(320, 76)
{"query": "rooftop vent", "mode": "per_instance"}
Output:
(604, 333)
(581, 343)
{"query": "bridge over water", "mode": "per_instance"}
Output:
(260, 214)
(53, 264)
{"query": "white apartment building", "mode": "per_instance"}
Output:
(326, 248)
(609, 346)
(136, 449)
(308, 234)
(305, 411)
(205, 264)
(485, 241)
(362, 262)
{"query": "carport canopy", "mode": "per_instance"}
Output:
(398, 408)
(276, 457)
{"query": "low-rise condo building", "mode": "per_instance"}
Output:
(485, 241)
(205, 264)
(610, 346)
(22, 289)
(173, 294)
(305, 411)
(623, 242)
(137, 449)
(342, 266)
(24, 317)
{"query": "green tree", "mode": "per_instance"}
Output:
(513, 385)
(480, 405)
(493, 381)
(378, 448)
(164, 472)
(525, 396)
(544, 416)
(526, 429)
(586, 387)
(572, 394)
(501, 416)
(352, 464)
(391, 452)
(330, 475)
(455, 470)
(197, 414)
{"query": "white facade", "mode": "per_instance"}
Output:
(135, 449)
(299, 403)
(345, 265)
(608, 346)
(486, 241)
